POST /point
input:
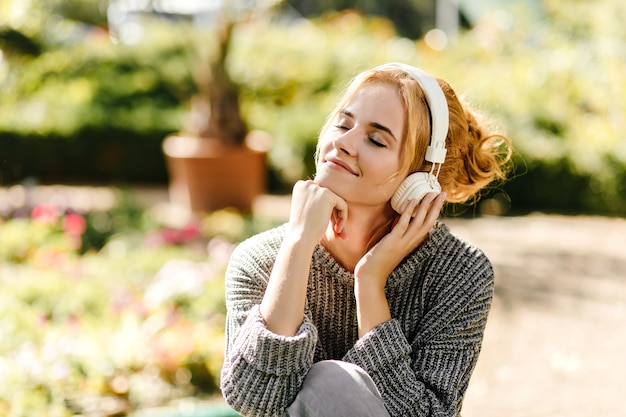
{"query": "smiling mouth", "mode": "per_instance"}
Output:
(340, 166)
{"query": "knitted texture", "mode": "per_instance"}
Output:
(420, 360)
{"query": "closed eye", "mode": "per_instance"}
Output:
(376, 143)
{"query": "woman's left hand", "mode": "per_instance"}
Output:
(372, 270)
(407, 234)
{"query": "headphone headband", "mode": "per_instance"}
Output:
(438, 106)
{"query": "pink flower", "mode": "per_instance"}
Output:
(175, 236)
(45, 214)
(74, 224)
(43, 319)
(190, 232)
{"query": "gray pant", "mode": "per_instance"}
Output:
(337, 389)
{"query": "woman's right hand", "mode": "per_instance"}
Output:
(312, 207)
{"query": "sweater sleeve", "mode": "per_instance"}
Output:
(262, 371)
(426, 374)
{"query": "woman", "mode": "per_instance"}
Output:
(353, 308)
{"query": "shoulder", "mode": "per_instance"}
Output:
(268, 239)
(456, 291)
(458, 262)
(453, 250)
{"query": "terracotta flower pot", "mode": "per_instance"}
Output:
(205, 175)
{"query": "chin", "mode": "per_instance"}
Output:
(323, 180)
(334, 185)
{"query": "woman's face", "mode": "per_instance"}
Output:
(359, 155)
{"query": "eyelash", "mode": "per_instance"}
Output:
(376, 143)
(371, 139)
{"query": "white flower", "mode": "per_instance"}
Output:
(177, 277)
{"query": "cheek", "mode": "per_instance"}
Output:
(385, 170)
(389, 187)
(323, 145)
(385, 179)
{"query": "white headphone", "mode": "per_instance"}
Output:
(419, 184)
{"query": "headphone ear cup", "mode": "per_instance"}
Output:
(415, 186)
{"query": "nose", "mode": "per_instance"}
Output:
(347, 142)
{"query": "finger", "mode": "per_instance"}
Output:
(423, 207)
(340, 232)
(409, 211)
(337, 223)
(404, 220)
(432, 214)
(435, 209)
(339, 218)
(426, 215)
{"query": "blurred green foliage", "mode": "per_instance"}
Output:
(557, 87)
(98, 111)
(76, 106)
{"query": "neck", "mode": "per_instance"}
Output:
(365, 228)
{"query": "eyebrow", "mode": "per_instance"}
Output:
(375, 125)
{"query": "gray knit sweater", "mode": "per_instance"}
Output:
(420, 360)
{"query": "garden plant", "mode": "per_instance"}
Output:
(109, 312)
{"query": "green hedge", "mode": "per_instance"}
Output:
(119, 156)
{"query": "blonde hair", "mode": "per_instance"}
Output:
(475, 158)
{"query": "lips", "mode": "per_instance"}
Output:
(339, 164)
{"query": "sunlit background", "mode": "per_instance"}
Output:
(112, 258)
